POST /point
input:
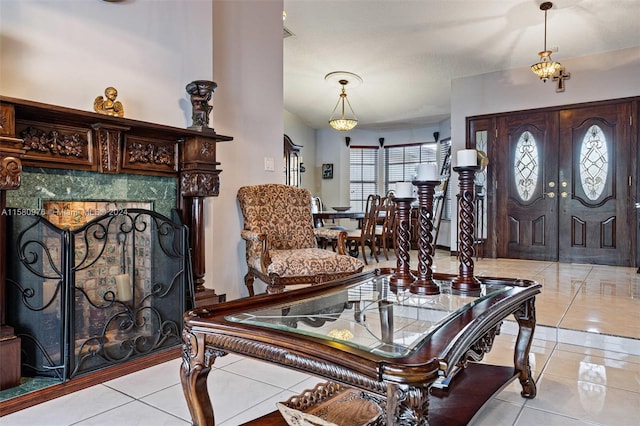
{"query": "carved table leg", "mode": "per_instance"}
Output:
(526, 317)
(196, 364)
(407, 405)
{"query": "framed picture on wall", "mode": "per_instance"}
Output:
(327, 171)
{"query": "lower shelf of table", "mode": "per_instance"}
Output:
(471, 389)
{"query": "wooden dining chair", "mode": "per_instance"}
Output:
(385, 227)
(365, 237)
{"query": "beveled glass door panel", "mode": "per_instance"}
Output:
(595, 174)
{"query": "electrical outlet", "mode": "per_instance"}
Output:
(269, 164)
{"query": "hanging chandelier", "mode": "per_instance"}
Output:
(342, 117)
(547, 67)
(343, 123)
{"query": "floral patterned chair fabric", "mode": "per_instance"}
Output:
(282, 242)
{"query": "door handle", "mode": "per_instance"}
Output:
(563, 194)
(550, 194)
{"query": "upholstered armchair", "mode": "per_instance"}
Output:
(282, 241)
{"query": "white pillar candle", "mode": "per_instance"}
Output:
(404, 190)
(467, 157)
(427, 171)
(123, 287)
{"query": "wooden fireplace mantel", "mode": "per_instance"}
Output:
(50, 136)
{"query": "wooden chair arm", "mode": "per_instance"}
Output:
(342, 242)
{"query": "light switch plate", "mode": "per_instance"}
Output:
(269, 164)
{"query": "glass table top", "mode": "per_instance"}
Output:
(370, 315)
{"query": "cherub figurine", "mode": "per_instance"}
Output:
(201, 92)
(108, 105)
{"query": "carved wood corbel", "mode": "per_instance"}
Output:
(110, 145)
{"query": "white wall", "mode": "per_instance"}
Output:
(602, 76)
(247, 64)
(66, 52)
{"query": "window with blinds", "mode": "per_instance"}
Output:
(363, 175)
(401, 161)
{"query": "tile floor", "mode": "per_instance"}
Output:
(585, 357)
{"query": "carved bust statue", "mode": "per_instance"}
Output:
(108, 105)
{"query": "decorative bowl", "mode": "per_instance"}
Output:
(341, 209)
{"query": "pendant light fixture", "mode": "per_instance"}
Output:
(547, 67)
(343, 118)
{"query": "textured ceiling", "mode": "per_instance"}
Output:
(408, 51)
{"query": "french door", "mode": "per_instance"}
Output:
(530, 222)
(596, 214)
(567, 189)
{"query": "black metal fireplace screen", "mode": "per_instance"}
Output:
(112, 290)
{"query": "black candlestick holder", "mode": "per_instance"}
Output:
(466, 281)
(424, 283)
(402, 277)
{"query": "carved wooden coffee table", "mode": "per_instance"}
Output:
(414, 355)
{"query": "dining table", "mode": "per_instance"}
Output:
(319, 217)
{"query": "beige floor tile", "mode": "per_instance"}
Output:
(497, 413)
(533, 417)
(613, 355)
(586, 401)
(595, 369)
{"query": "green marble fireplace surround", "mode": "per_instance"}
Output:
(40, 184)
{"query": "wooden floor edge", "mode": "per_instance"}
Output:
(30, 399)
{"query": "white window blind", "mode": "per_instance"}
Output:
(363, 175)
(400, 161)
